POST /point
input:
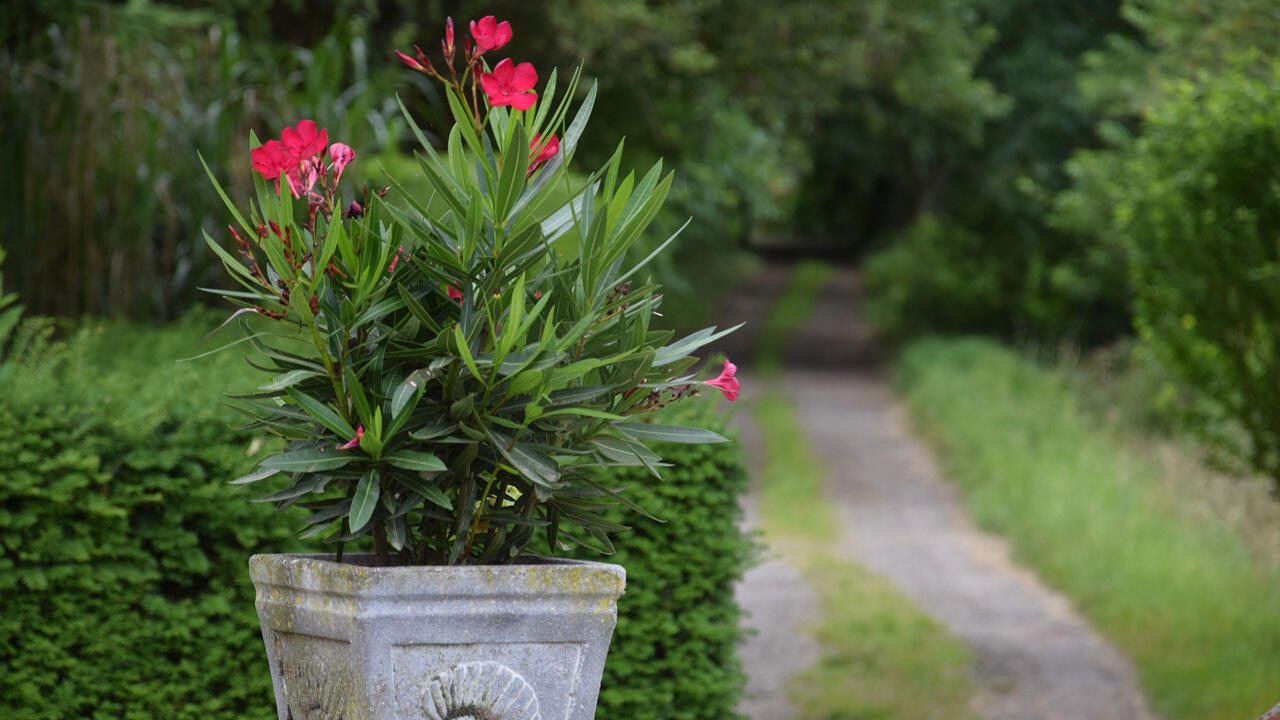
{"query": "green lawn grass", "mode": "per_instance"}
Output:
(881, 656)
(1179, 590)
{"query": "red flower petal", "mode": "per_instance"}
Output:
(504, 70)
(523, 101)
(304, 140)
(492, 88)
(525, 77)
(490, 34)
(547, 151)
(727, 383)
(353, 442)
(269, 159)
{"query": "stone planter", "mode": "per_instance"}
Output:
(350, 641)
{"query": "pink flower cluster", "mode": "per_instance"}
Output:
(298, 154)
(507, 85)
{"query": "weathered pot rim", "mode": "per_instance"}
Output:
(357, 576)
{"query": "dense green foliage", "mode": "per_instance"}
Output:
(1202, 192)
(1154, 565)
(977, 251)
(123, 551)
(1131, 180)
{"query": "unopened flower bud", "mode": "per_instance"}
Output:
(424, 60)
(447, 43)
(410, 62)
(353, 211)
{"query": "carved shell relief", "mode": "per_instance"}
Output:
(314, 697)
(320, 687)
(479, 691)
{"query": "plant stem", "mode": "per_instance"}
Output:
(380, 546)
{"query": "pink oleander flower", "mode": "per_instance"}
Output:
(307, 176)
(454, 295)
(270, 159)
(510, 84)
(294, 154)
(490, 34)
(304, 141)
(727, 383)
(340, 154)
(353, 442)
(539, 156)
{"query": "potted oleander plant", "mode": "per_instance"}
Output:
(453, 374)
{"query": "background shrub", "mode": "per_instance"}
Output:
(123, 550)
(936, 276)
(1201, 211)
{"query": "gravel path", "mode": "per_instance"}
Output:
(1037, 659)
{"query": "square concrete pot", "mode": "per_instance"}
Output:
(352, 641)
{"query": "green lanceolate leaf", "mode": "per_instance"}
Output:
(311, 484)
(289, 379)
(573, 396)
(396, 532)
(255, 476)
(515, 166)
(433, 430)
(670, 433)
(625, 452)
(408, 392)
(579, 122)
(307, 461)
(322, 414)
(426, 489)
(365, 501)
(688, 344)
(416, 460)
(533, 464)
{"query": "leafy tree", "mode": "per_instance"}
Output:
(987, 191)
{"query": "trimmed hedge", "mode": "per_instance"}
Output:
(123, 551)
(673, 655)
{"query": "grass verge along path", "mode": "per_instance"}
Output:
(1182, 594)
(881, 656)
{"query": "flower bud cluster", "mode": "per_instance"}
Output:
(507, 85)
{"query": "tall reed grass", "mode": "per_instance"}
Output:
(102, 117)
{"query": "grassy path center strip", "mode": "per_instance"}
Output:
(881, 656)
